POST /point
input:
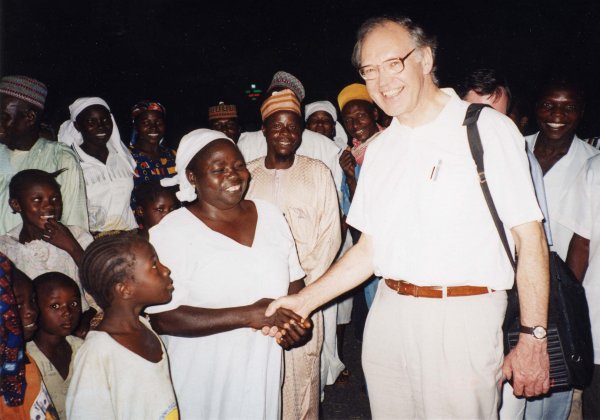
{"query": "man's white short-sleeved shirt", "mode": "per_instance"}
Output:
(579, 213)
(420, 200)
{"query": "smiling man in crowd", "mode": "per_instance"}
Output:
(433, 341)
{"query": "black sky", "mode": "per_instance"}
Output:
(190, 54)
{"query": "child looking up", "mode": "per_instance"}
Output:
(53, 347)
(37, 403)
(41, 243)
(122, 369)
(153, 202)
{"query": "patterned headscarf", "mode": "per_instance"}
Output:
(140, 107)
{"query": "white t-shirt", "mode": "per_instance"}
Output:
(419, 198)
(108, 190)
(234, 374)
(557, 182)
(111, 382)
(253, 145)
(579, 213)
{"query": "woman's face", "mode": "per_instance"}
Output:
(219, 174)
(322, 123)
(150, 126)
(95, 125)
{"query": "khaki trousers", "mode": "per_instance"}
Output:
(434, 358)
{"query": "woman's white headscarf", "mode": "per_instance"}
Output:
(189, 146)
(340, 138)
(70, 136)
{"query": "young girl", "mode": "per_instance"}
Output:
(41, 243)
(122, 370)
(37, 403)
(53, 347)
(153, 202)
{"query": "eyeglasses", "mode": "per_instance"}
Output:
(391, 66)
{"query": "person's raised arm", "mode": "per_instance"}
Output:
(528, 364)
(352, 269)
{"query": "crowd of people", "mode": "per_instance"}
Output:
(214, 281)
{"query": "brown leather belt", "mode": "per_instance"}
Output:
(405, 288)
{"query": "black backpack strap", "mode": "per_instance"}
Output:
(477, 152)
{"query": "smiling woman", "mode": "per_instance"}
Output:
(229, 258)
(154, 160)
(108, 167)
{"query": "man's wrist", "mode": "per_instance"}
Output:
(538, 331)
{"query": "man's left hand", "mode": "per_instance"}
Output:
(528, 366)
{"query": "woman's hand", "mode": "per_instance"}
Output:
(288, 328)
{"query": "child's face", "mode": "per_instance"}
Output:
(60, 309)
(151, 279)
(28, 310)
(155, 210)
(37, 203)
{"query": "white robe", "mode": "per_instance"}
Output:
(234, 374)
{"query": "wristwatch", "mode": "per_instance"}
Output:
(538, 331)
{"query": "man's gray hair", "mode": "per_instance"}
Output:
(416, 32)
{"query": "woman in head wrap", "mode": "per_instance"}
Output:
(154, 161)
(321, 117)
(108, 167)
(229, 257)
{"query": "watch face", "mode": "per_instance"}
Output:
(539, 332)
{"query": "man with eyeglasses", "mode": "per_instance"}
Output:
(433, 340)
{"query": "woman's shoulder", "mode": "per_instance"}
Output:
(269, 212)
(173, 222)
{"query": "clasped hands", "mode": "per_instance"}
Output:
(284, 325)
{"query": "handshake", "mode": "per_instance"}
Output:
(288, 328)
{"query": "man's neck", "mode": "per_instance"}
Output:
(25, 143)
(431, 103)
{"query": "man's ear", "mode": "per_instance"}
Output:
(14, 205)
(496, 95)
(375, 113)
(264, 130)
(31, 117)
(427, 60)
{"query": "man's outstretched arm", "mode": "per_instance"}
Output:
(352, 269)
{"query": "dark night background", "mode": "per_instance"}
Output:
(191, 54)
